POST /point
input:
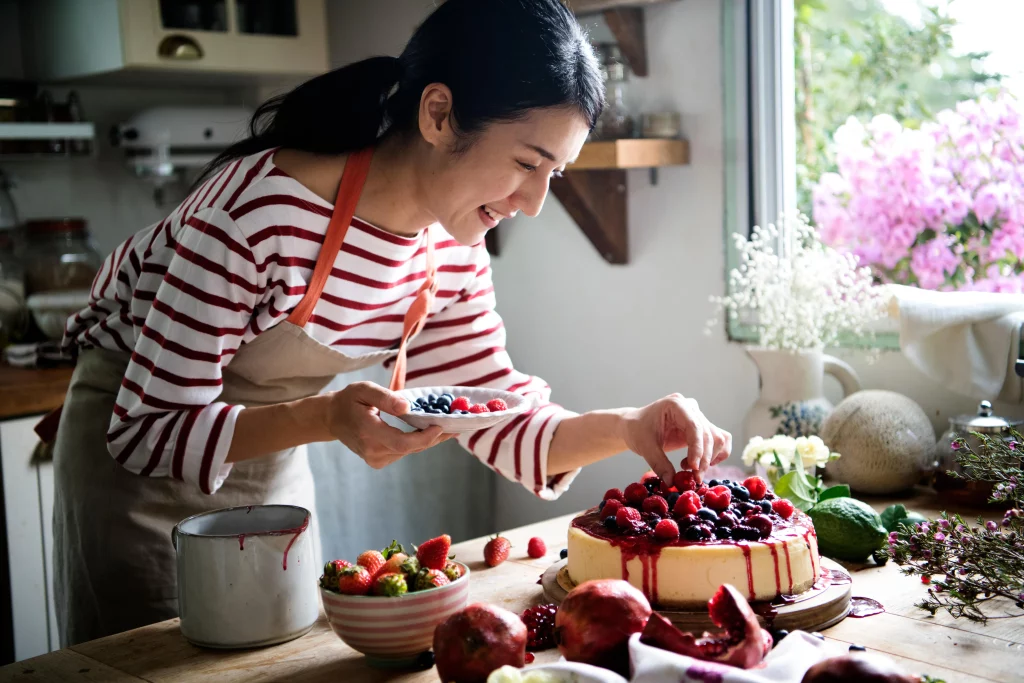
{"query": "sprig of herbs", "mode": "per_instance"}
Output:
(972, 571)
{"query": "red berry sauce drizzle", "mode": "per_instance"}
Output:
(295, 533)
(648, 550)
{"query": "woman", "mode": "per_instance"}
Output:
(345, 232)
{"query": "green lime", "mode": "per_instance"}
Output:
(847, 528)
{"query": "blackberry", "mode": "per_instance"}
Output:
(540, 626)
(723, 533)
(693, 533)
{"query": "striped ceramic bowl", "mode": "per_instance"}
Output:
(394, 631)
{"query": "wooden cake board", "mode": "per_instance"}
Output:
(817, 609)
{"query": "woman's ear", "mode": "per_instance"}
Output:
(435, 116)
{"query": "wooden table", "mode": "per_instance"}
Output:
(29, 392)
(956, 650)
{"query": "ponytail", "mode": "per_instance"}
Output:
(500, 58)
(339, 111)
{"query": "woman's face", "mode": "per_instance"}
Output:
(505, 170)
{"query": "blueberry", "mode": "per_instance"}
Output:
(727, 481)
(415, 407)
(433, 411)
(448, 396)
(600, 505)
(609, 523)
(778, 635)
(693, 533)
(765, 506)
(857, 648)
(708, 514)
(712, 483)
(744, 507)
(740, 492)
(432, 398)
(673, 498)
(463, 412)
(425, 660)
(818, 635)
(564, 554)
(723, 533)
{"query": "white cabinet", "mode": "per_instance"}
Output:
(71, 39)
(28, 507)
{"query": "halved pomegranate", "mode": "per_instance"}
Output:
(743, 643)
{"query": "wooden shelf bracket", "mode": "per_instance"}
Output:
(596, 201)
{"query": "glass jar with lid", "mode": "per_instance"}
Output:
(985, 421)
(615, 122)
(60, 266)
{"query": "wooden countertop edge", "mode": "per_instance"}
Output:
(31, 392)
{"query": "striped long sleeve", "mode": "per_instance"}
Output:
(464, 345)
(167, 420)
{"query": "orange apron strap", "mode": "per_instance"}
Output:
(415, 316)
(352, 180)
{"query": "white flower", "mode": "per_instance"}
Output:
(764, 451)
(800, 293)
(812, 451)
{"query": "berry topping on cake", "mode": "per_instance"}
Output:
(756, 486)
(655, 504)
(688, 504)
(625, 515)
(782, 507)
(610, 509)
(614, 494)
(635, 494)
(666, 530)
(718, 497)
(685, 480)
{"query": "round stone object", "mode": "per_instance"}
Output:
(884, 439)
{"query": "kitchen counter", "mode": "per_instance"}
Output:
(28, 392)
(955, 650)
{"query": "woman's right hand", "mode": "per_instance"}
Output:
(354, 419)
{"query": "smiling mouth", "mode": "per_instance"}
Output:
(492, 214)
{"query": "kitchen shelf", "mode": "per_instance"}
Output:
(47, 131)
(632, 153)
(75, 140)
(591, 6)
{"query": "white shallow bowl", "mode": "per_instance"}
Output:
(458, 424)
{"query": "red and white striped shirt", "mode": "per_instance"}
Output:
(232, 261)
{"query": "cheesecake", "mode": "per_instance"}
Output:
(747, 537)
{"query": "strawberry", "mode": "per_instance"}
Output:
(783, 508)
(393, 565)
(433, 554)
(635, 494)
(354, 580)
(655, 504)
(626, 515)
(666, 530)
(411, 567)
(390, 584)
(614, 494)
(610, 509)
(684, 480)
(496, 405)
(757, 487)
(536, 548)
(373, 560)
(478, 408)
(718, 498)
(452, 571)
(334, 567)
(461, 403)
(496, 551)
(688, 504)
(431, 578)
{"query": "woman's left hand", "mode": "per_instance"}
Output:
(672, 423)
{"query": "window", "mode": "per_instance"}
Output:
(896, 126)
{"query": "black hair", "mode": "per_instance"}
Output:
(500, 58)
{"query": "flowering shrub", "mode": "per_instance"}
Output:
(941, 207)
(803, 298)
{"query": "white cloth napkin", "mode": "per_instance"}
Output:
(968, 341)
(787, 663)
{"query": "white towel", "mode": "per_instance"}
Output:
(968, 341)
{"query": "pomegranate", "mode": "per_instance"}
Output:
(594, 622)
(743, 643)
(475, 641)
(857, 669)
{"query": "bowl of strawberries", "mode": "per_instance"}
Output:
(387, 604)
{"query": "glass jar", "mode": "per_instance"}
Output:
(60, 256)
(975, 493)
(615, 121)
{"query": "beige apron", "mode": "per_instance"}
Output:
(114, 566)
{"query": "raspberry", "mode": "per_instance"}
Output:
(718, 498)
(688, 504)
(702, 489)
(478, 408)
(536, 548)
(614, 494)
(611, 508)
(684, 480)
(626, 515)
(666, 530)
(757, 487)
(635, 494)
(783, 508)
(496, 405)
(655, 504)
(461, 403)
(540, 626)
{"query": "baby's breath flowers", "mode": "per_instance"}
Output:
(803, 294)
(973, 571)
